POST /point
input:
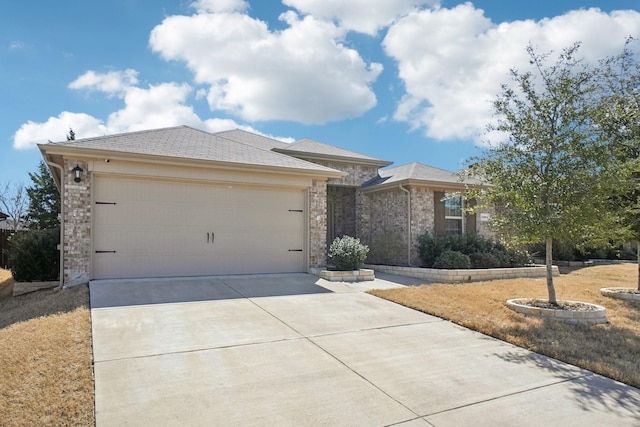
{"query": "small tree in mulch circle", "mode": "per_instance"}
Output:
(551, 174)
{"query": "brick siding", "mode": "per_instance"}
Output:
(317, 224)
(343, 200)
(77, 225)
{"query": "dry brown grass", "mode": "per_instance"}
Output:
(46, 374)
(611, 349)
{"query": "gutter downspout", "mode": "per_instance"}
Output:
(408, 223)
(57, 166)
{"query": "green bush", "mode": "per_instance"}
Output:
(430, 247)
(483, 252)
(347, 253)
(570, 251)
(452, 260)
(34, 255)
(487, 260)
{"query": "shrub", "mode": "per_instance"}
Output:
(483, 252)
(570, 251)
(34, 255)
(430, 247)
(347, 253)
(486, 260)
(452, 260)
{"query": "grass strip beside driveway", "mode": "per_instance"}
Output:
(610, 349)
(46, 374)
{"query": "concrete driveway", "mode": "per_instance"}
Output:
(297, 350)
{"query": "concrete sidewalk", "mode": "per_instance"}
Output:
(297, 350)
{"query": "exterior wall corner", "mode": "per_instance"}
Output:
(76, 224)
(317, 224)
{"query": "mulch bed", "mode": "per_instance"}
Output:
(560, 305)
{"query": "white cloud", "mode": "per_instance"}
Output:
(452, 61)
(219, 6)
(359, 15)
(219, 125)
(111, 83)
(302, 73)
(56, 129)
(17, 45)
(158, 106)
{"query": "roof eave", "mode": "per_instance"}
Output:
(92, 153)
(329, 157)
(421, 183)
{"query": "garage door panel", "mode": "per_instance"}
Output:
(160, 229)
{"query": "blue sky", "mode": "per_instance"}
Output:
(401, 80)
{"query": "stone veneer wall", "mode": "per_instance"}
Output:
(344, 210)
(422, 218)
(383, 221)
(358, 174)
(318, 224)
(76, 246)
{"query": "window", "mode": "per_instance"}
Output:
(453, 214)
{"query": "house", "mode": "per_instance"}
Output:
(183, 202)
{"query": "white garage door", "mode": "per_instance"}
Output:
(167, 229)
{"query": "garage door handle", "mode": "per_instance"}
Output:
(105, 252)
(213, 236)
(295, 250)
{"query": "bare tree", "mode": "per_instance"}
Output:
(14, 203)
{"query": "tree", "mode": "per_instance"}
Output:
(44, 200)
(552, 175)
(13, 202)
(619, 119)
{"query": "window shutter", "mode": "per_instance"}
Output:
(438, 213)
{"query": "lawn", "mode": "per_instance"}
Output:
(610, 349)
(46, 374)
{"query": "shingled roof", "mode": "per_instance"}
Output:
(184, 142)
(417, 172)
(252, 139)
(308, 148)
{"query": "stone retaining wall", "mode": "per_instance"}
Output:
(462, 276)
(361, 275)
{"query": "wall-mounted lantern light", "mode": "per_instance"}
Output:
(77, 173)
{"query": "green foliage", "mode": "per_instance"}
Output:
(34, 255)
(551, 172)
(452, 260)
(483, 252)
(347, 253)
(570, 251)
(388, 248)
(44, 200)
(490, 260)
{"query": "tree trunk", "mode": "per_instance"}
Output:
(638, 256)
(549, 264)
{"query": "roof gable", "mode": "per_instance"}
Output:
(308, 148)
(417, 172)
